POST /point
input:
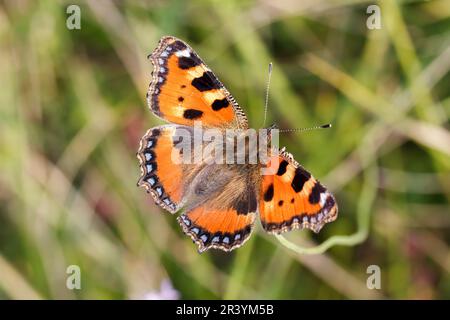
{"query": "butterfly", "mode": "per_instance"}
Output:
(219, 202)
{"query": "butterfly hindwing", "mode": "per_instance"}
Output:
(184, 89)
(219, 229)
(221, 209)
(293, 199)
(163, 173)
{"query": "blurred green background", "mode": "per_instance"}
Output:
(73, 110)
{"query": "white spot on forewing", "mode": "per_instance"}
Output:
(149, 143)
(183, 53)
(226, 240)
(323, 198)
(215, 239)
(148, 156)
(164, 54)
(151, 181)
(162, 69)
(160, 61)
(204, 237)
(149, 168)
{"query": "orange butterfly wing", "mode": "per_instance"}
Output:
(292, 199)
(215, 228)
(162, 172)
(184, 89)
(221, 208)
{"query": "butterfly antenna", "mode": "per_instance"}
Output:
(267, 93)
(324, 126)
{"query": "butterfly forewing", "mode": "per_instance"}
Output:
(184, 89)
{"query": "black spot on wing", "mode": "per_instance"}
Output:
(192, 114)
(206, 82)
(180, 99)
(280, 203)
(252, 202)
(247, 203)
(189, 62)
(220, 104)
(301, 176)
(282, 168)
(178, 45)
(268, 195)
(329, 204)
(241, 206)
(156, 132)
(314, 197)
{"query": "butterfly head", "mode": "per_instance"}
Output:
(271, 131)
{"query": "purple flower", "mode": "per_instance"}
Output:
(166, 292)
